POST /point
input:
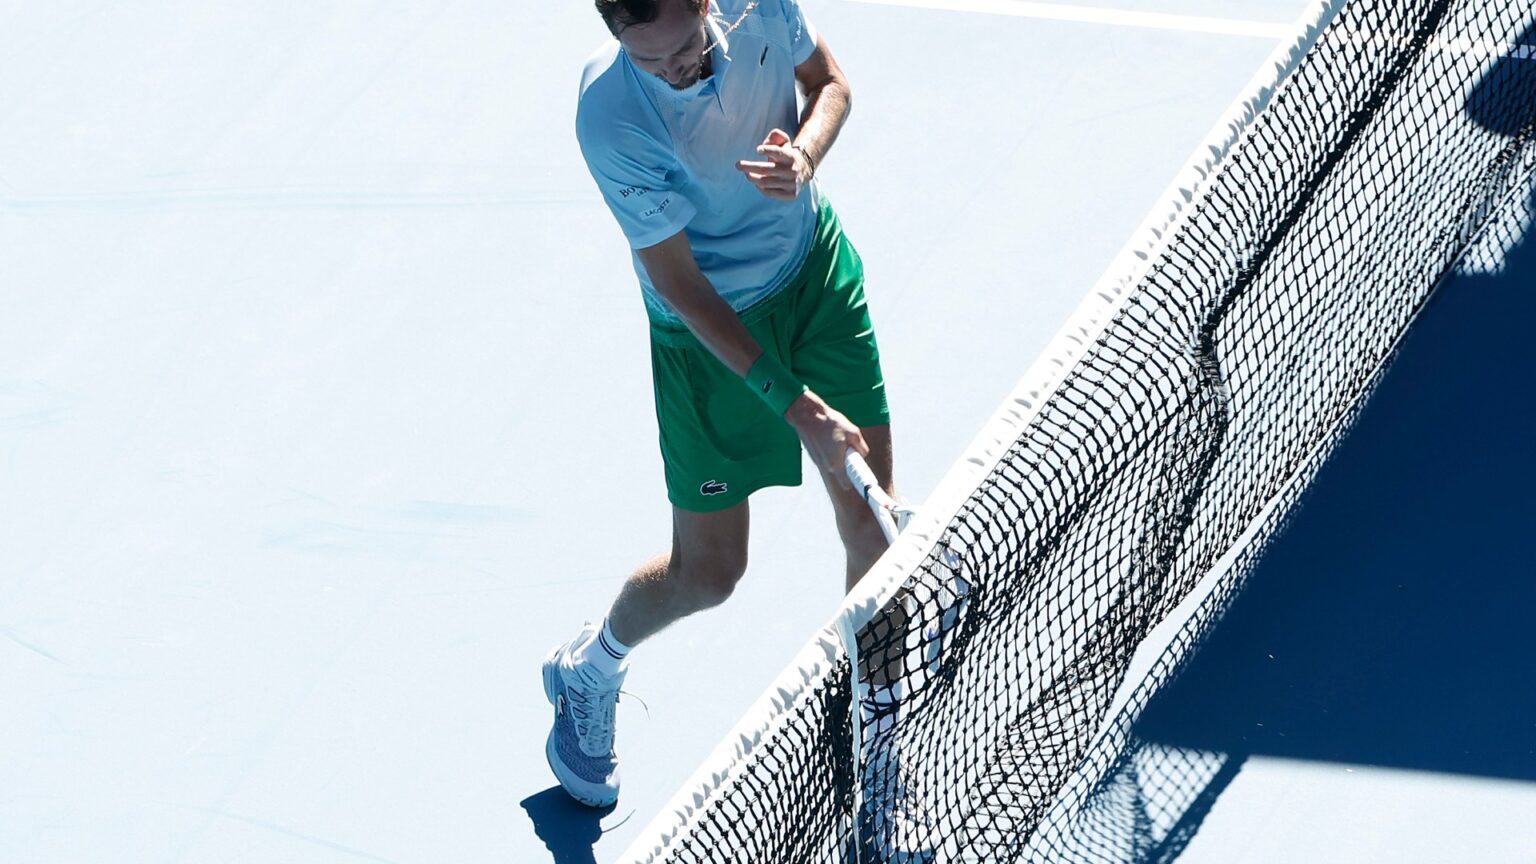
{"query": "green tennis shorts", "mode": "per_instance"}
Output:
(719, 441)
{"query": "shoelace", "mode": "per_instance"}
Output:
(592, 709)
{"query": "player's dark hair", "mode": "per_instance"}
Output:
(618, 14)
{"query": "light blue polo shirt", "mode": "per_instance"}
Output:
(665, 160)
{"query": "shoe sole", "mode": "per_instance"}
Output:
(593, 796)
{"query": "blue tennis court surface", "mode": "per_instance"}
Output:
(325, 411)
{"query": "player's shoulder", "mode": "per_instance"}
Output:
(762, 10)
(730, 10)
(779, 22)
(615, 118)
(602, 74)
(607, 99)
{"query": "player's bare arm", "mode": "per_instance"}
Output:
(825, 432)
(678, 279)
(789, 164)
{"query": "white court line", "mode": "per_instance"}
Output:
(1095, 15)
(1162, 21)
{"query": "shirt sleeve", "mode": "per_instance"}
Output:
(631, 170)
(802, 36)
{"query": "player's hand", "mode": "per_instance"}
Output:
(826, 434)
(782, 173)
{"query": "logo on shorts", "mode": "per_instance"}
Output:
(767, 387)
(713, 487)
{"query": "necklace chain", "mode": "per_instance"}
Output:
(727, 31)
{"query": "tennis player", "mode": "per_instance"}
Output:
(760, 338)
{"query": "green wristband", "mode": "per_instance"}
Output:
(769, 379)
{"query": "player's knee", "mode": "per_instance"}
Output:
(711, 576)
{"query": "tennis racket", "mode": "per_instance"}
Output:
(892, 515)
(948, 598)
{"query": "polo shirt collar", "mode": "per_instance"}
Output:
(720, 61)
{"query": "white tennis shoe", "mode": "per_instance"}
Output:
(580, 746)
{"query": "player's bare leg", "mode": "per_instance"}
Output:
(708, 558)
(582, 677)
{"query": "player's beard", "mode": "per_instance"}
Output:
(700, 72)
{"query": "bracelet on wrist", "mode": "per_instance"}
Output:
(808, 160)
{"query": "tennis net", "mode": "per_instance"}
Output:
(1144, 462)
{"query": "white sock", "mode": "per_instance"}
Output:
(604, 652)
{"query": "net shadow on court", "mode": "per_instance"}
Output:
(1389, 625)
(1383, 627)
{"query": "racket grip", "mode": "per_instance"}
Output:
(859, 473)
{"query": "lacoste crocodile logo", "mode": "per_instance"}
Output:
(713, 487)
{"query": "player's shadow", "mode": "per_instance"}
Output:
(569, 830)
(1391, 623)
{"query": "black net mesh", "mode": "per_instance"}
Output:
(1167, 457)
